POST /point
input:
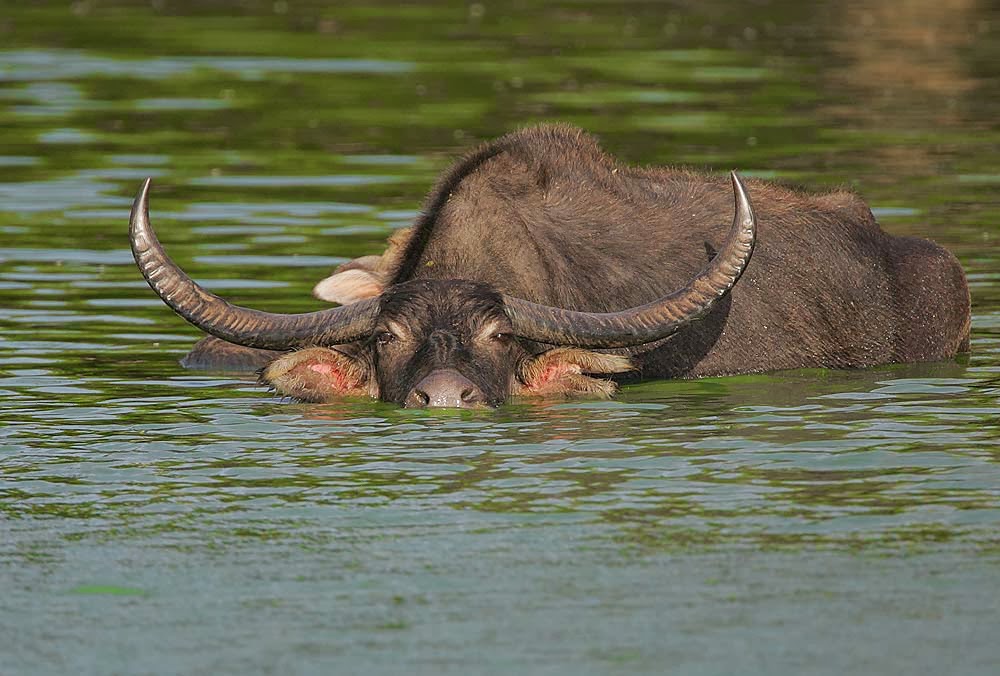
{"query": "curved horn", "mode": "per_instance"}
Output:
(233, 323)
(653, 321)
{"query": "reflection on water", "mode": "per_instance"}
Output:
(38, 66)
(757, 524)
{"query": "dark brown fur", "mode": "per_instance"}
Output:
(548, 216)
(434, 326)
(544, 214)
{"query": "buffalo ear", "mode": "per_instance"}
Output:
(319, 374)
(350, 286)
(560, 371)
(364, 277)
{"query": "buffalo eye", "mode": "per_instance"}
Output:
(385, 337)
(501, 337)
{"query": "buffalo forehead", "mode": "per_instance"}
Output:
(454, 305)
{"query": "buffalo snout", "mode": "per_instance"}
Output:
(445, 388)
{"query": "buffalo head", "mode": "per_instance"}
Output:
(454, 343)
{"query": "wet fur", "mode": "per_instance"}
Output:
(544, 214)
(443, 324)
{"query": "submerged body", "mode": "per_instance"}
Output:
(545, 215)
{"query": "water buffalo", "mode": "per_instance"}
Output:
(541, 265)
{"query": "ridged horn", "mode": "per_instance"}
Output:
(240, 325)
(653, 321)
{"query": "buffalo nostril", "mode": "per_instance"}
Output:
(417, 399)
(471, 395)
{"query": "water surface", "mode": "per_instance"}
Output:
(155, 520)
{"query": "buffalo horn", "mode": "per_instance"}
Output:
(233, 323)
(653, 321)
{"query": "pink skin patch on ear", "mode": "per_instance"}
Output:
(318, 374)
(551, 374)
(561, 371)
(338, 379)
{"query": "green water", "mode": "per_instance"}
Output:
(159, 521)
